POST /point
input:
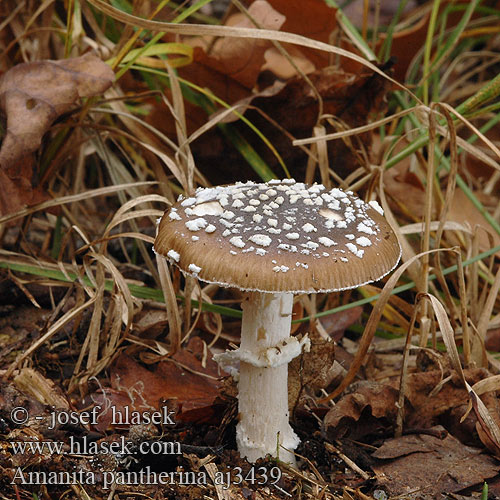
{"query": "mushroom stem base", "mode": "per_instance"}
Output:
(263, 391)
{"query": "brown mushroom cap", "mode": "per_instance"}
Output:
(279, 236)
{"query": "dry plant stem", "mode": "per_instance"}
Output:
(478, 351)
(424, 285)
(263, 391)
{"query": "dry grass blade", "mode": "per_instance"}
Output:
(488, 384)
(453, 112)
(121, 214)
(445, 209)
(150, 213)
(102, 340)
(136, 125)
(451, 348)
(478, 353)
(146, 136)
(408, 252)
(128, 234)
(371, 325)
(404, 369)
(92, 340)
(60, 323)
(417, 227)
(32, 382)
(73, 198)
(473, 150)
(218, 117)
(359, 130)
(278, 36)
(184, 156)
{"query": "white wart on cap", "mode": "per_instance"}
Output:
(279, 236)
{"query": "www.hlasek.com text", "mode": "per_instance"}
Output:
(84, 446)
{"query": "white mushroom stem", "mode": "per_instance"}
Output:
(266, 349)
(263, 391)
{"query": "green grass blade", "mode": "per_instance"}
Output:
(144, 292)
(141, 292)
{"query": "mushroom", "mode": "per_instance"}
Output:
(272, 240)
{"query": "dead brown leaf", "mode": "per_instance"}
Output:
(367, 410)
(465, 212)
(189, 383)
(315, 369)
(406, 192)
(428, 407)
(492, 342)
(32, 96)
(312, 370)
(318, 21)
(336, 324)
(239, 59)
(16, 187)
(242, 60)
(431, 466)
(371, 406)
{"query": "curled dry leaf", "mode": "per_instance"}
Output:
(369, 409)
(32, 96)
(372, 406)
